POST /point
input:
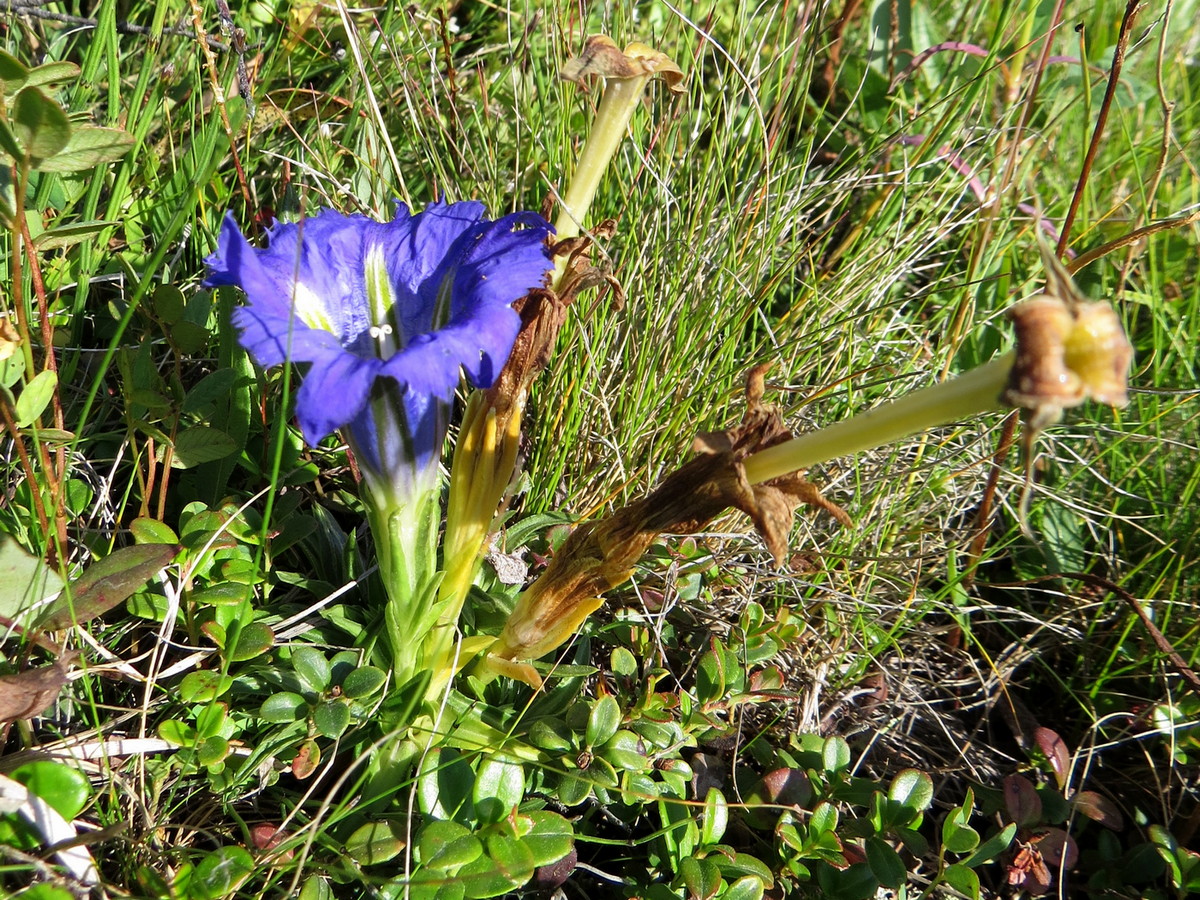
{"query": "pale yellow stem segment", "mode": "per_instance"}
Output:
(960, 398)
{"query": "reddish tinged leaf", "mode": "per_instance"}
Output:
(26, 694)
(106, 583)
(1099, 809)
(1056, 752)
(1023, 804)
(1059, 849)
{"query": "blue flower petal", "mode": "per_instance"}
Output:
(308, 302)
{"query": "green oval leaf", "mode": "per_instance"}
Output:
(748, 887)
(220, 873)
(963, 880)
(499, 785)
(603, 721)
(203, 686)
(715, 817)
(363, 682)
(65, 788)
(283, 707)
(331, 717)
(151, 531)
(106, 583)
(252, 640)
(312, 668)
(34, 398)
(39, 124)
(912, 789)
(201, 444)
(376, 842)
(178, 733)
(886, 864)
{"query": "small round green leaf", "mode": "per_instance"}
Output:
(963, 880)
(203, 685)
(312, 668)
(220, 873)
(376, 842)
(39, 124)
(178, 733)
(363, 682)
(252, 640)
(63, 787)
(912, 789)
(332, 717)
(34, 398)
(284, 707)
(499, 786)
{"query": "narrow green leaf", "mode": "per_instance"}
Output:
(51, 73)
(87, 148)
(201, 444)
(992, 847)
(68, 235)
(106, 583)
(715, 817)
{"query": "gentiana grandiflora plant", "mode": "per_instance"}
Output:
(386, 316)
(1067, 350)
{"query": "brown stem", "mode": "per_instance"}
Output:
(1132, 8)
(983, 520)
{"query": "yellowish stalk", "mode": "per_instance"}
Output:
(960, 398)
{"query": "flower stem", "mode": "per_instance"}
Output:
(975, 392)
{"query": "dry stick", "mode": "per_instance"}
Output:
(1131, 238)
(1181, 667)
(58, 474)
(983, 520)
(219, 99)
(34, 11)
(1132, 8)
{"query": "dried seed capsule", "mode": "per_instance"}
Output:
(1097, 350)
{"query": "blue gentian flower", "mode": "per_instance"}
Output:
(387, 315)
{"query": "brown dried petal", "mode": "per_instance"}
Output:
(26, 694)
(601, 56)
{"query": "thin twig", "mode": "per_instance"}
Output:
(33, 9)
(1132, 8)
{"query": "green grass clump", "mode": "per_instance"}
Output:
(947, 696)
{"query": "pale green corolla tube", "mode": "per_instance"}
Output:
(964, 397)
